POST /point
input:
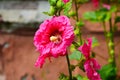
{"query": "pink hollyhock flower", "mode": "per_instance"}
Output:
(96, 3)
(90, 65)
(106, 6)
(86, 48)
(65, 1)
(52, 38)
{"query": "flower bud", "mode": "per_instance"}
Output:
(110, 44)
(52, 10)
(60, 4)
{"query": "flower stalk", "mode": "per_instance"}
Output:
(111, 42)
(77, 19)
(68, 62)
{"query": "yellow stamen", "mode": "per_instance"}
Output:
(53, 38)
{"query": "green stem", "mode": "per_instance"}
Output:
(106, 38)
(70, 72)
(112, 50)
(77, 19)
(76, 9)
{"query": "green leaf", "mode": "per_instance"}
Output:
(99, 15)
(76, 55)
(90, 16)
(67, 8)
(85, 78)
(108, 72)
(47, 13)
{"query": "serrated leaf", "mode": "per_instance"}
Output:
(76, 55)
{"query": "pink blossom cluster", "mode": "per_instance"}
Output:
(52, 38)
(91, 65)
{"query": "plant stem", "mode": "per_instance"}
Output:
(112, 50)
(70, 72)
(76, 9)
(106, 38)
(77, 19)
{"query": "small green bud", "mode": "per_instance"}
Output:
(52, 10)
(110, 60)
(110, 44)
(111, 52)
(60, 4)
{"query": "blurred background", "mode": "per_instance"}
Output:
(19, 19)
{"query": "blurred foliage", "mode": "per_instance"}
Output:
(108, 72)
(100, 15)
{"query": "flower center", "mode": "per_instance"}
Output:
(55, 39)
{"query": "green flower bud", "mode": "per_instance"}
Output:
(52, 10)
(111, 52)
(110, 60)
(60, 4)
(110, 44)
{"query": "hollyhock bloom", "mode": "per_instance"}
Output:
(90, 65)
(95, 3)
(106, 6)
(86, 48)
(52, 38)
(65, 1)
